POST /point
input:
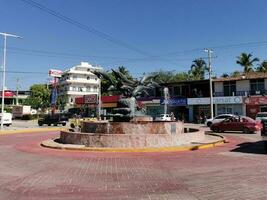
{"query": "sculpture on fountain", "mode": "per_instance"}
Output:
(130, 91)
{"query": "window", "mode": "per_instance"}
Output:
(88, 77)
(257, 86)
(88, 89)
(74, 77)
(176, 90)
(229, 88)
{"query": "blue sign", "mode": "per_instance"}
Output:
(54, 96)
(174, 102)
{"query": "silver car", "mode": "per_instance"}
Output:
(217, 119)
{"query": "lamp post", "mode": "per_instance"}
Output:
(4, 74)
(209, 51)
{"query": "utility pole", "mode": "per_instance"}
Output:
(4, 75)
(99, 101)
(210, 51)
(17, 92)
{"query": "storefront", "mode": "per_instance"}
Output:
(177, 106)
(200, 107)
(151, 105)
(89, 105)
(255, 104)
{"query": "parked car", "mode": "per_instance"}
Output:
(261, 116)
(217, 119)
(237, 123)
(7, 118)
(54, 119)
(164, 117)
(264, 133)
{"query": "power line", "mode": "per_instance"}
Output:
(43, 52)
(23, 72)
(85, 27)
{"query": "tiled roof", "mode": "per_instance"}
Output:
(244, 76)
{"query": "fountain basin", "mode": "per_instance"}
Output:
(135, 134)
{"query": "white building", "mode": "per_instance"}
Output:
(78, 81)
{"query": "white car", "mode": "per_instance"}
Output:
(217, 119)
(7, 119)
(261, 116)
(164, 117)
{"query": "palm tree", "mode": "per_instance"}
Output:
(198, 69)
(262, 67)
(246, 61)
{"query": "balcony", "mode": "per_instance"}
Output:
(242, 93)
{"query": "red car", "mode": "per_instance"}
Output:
(237, 123)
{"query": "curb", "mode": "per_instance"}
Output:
(54, 145)
(33, 130)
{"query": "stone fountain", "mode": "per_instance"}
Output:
(130, 127)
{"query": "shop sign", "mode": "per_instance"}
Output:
(216, 100)
(256, 100)
(198, 101)
(228, 100)
(174, 102)
(90, 99)
(55, 73)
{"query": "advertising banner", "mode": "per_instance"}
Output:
(55, 73)
(174, 101)
(54, 96)
(90, 99)
(216, 100)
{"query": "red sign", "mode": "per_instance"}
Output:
(55, 73)
(110, 99)
(256, 100)
(90, 99)
(7, 93)
(79, 100)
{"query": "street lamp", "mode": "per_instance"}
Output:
(209, 51)
(4, 74)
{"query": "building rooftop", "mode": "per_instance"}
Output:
(243, 76)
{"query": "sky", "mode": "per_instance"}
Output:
(142, 35)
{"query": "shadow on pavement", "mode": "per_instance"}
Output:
(231, 132)
(251, 147)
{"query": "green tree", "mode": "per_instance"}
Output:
(164, 76)
(125, 72)
(225, 75)
(39, 97)
(236, 74)
(105, 85)
(198, 68)
(170, 76)
(246, 61)
(61, 101)
(181, 76)
(262, 67)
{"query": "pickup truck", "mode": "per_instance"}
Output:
(54, 119)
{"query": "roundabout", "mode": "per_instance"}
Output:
(29, 171)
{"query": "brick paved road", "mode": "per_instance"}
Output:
(231, 171)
